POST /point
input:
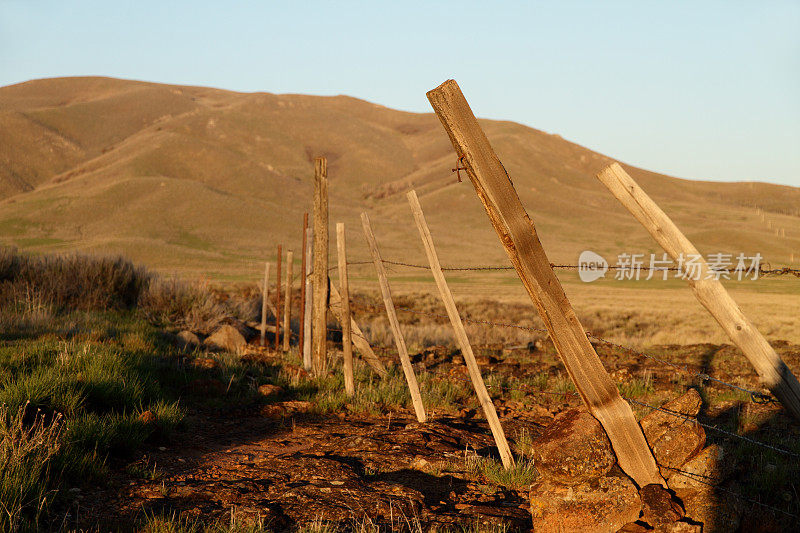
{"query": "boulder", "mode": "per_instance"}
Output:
(674, 439)
(716, 512)
(573, 448)
(270, 391)
(659, 509)
(186, 340)
(706, 467)
(206, 363)
(602, 506)
(226, 338)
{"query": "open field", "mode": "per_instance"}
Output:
(129, 429)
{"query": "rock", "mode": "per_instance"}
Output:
(206, 363)
(269, 390)
(658, 507)
(419, 463)
(601, 506)
(573, 448)
(186, 340)
(706, 467)
(674, 439)
(147, 418)
(226, 338)
(715, 511)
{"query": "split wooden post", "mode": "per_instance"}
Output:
(287, 305)
(347, 337)
(461, 333)
(359, 340)
(278, 300)
(309, 300)
(264, 297)
(771, 369)
(399, 341)
(519, 238)
(320, 315)
(301, 331)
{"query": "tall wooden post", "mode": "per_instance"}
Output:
(344, 289)
(320, 312)
(399, 341)
(302, 329)
(309, 300)
(278, 300)
(461, 333)
(771, 369)
(287, 306)
(518, 236)
(264, 298)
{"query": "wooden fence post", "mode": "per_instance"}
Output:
(771, 369)
(347, 338)
(287, 305)
(309, 301)
(264, 297)
(518, 236)
(320, 318)
(302, 329)
(400, 342)
(359, 340)
(460, 333)
(278, 300)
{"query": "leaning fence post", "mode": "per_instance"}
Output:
(301, 331)
(320, 318)
(309, 302)
(347, 338)
(287, 305)
(278, 300)
(264, 296)
(399, 341)
(461, 333)
(359, 340)
(518, 236)
(771, 369)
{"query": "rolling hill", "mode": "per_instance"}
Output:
(206, 181)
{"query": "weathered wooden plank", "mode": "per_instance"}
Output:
(344, 289)
(264, 298)
(771, 369)
(320, 311)
(287, 306)
(301, 331)
(309, 300)
(460, 333)
(521, 242)
(394, 324)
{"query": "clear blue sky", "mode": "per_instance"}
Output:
(707, 90)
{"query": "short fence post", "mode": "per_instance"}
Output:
(264, 297)
(347, 338)
(518, 236)
(359, 340)
(278, 300)
(405, 361)
(771, 369)
(287, 305)
(461, 333)
(309, 302)
(301, 331)
(320, 318)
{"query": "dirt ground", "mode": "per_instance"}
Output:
(282, 466)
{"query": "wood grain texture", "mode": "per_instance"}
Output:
(394, 324)
(771, 369)
(278, 298)
(309, 300)
(344, 290)
(521, 242)
(301, 331)
(319, 329)
(264, 299)
(460, 333)
(287, 306)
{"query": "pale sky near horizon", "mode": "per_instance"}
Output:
(701, 90)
